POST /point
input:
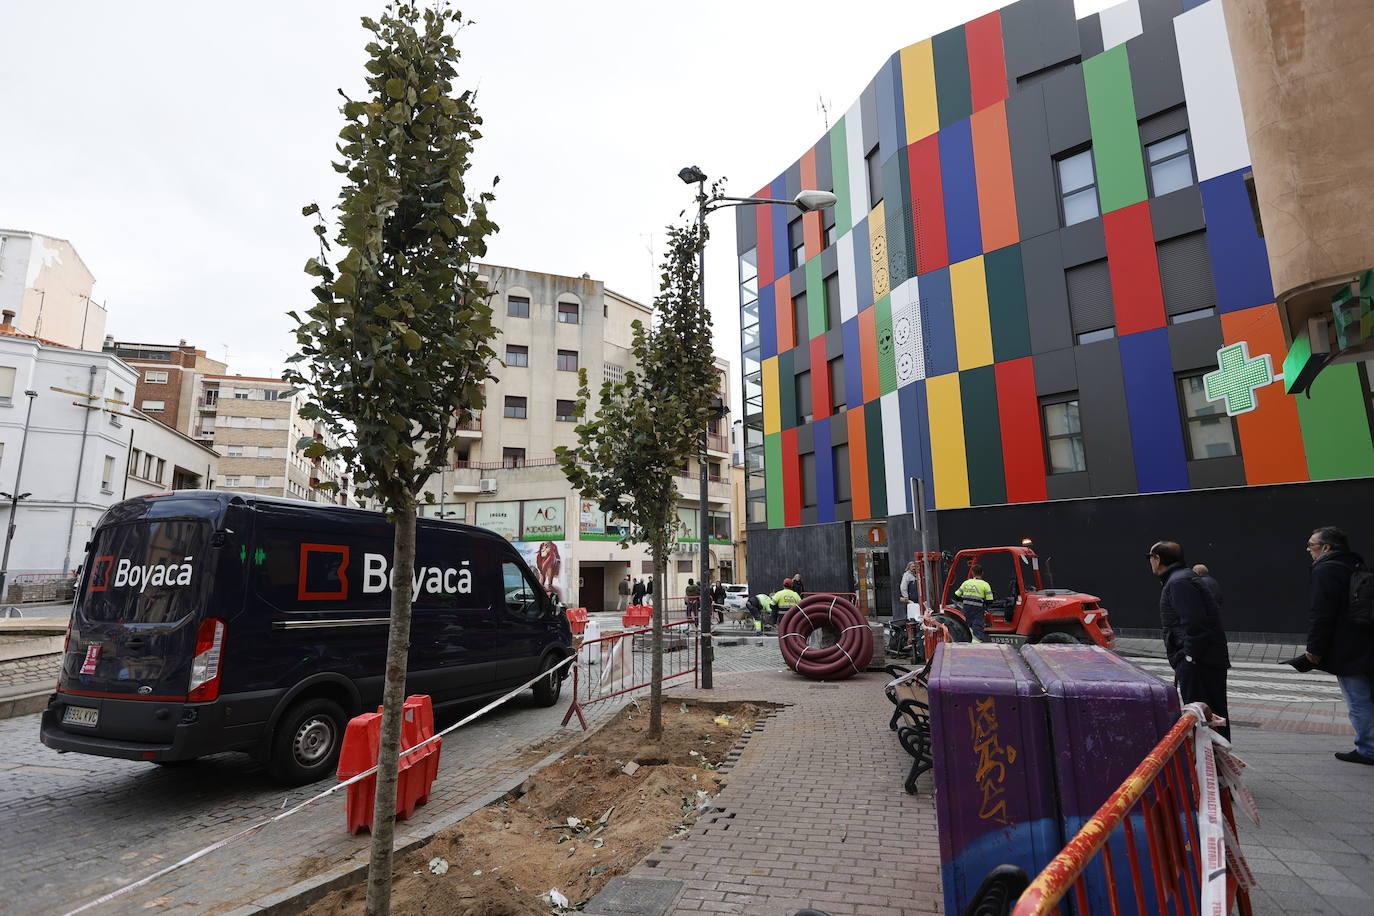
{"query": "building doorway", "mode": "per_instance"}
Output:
(872, 575)
(591, 590)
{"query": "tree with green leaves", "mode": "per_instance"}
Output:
(648, 425)
(394, 353)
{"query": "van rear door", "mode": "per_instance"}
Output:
(134, 625)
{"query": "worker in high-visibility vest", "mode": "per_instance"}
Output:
(974, 596)
(784, 599)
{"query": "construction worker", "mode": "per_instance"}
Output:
(759, 606)
(974, 596)
(784, 599)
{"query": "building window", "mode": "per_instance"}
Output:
(875, 178)
(565, 411)
(686, 566)
(567, 360)
(261, 481)
(1077, 186)
(158, 377)
(839, 466)
(837, 398)
(832, 301)
(513, 457)
(518, 306)
(107, 474)
(147, 466)
(568, 312)
(796, 244)
(799, 318)
(240, 394)
(1090, 301)
(119, 401)
(828, 224)
(803, 382)
(1185, 276)
(270, 394)
(515, 407)
(1211, 433)
(807, 466)
(161, 469)
(517, 355)
(233, 451)
(6, 385)
(1063, 434)
(1170, 163)
(231, 481)
(266, 451)
(152, 406)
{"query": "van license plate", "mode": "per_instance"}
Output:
(80, 715)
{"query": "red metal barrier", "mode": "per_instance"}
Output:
(1163, 793)
(621, 663)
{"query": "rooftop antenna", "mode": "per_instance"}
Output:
(823, 106)
(226, 353)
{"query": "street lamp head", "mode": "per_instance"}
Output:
(691, 175)
(808, 201)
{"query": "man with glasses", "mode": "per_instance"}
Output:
(1194, 640)
(1335, 643)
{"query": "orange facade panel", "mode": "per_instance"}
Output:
(996, 189)
(1270, 435)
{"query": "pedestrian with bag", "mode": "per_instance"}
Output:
(1194, 639)
(1340, 631)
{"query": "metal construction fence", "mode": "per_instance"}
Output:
(621, 662)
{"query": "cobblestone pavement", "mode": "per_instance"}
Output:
(77, 826)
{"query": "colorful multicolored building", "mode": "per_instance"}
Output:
(1046, 230)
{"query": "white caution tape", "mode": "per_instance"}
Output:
(1219, 848)
(201, 853)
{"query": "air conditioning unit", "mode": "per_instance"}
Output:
(487, 485)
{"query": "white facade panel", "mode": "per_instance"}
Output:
(907, 339)
(1209, 87)
(849, 293)
(858, 172)
(892, 454)
(1120, 24)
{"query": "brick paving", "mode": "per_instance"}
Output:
(813, 814)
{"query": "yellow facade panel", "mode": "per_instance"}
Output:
(947, 459)
(968, 287)
(918, 91)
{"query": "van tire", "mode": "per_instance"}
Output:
(548, 688)
(305, 745)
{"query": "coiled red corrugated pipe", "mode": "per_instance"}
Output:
(848, 655)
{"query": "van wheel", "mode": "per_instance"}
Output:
(1058, 638)
(548, 688)
(305, 746)
(958, 630)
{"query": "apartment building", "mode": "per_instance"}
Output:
(255, 423)
(167, 377)
(505, 476)
(47, 286)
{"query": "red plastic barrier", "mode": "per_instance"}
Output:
(361, 745)
(577, 620)
(637, 615)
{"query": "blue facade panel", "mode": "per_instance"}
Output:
(825, 470)
(863, 267)
(853, 365)
(965, 233)
(891, 113)
(937, 319)
(1240, 261)
(778, 217)
(768, 322)
(1161, 463)
(915, 449)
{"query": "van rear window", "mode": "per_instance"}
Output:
(151, 571)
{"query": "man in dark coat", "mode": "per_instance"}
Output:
(637, 593)
(1336, 645)
(1194, 640)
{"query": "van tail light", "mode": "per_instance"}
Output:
(205, 666)
(67, 641)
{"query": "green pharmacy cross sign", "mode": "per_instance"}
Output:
(1238, 377)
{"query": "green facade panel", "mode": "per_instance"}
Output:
(953, 97)
(815, 299)
(887, 358)
(901, 240)
(1007, 303)
(772, 478)
(787, 389)
(877, 464)
(839, 171)
(982, 436)
(1335, 426)
(1116, 137)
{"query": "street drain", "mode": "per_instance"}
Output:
(634, 897)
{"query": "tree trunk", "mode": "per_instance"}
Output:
(660, 551)
(393, 700)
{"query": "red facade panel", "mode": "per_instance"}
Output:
(763, 227)
(987, 67)
(1018, 410)
(782, 309)
(791, 479)
(820, 379)
(1136, 290)
(811, 222)
(927, 204)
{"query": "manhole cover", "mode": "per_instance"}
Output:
(634, 897)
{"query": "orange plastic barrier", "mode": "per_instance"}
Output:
(362, 742)
(637, 615)
(577, 620)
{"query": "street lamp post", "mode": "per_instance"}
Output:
(16, 496)
(805, 201)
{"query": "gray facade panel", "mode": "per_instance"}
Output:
(1158, 14)
(1102, 408)
(1082, 242)
(1177, 213)
(1055, 372)
(1068, 486)
(792, 182)
(1194, 344)
(1066, 110)
(825, 179)
(830, 260)
(821, 552)
(809, 516)
(834, 343)
(1090, 35)
(1047, 299)
(746, 229)
(1157, 81)
(1216, 472)
(1036, 34)
(806, 439)
(868, 114)
(1037, 204)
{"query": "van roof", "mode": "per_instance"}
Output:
(228, 497)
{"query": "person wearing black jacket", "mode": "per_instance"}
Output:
(1336, 645)
(637, 593)
(1194, 640)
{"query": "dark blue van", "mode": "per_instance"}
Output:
(213, 621)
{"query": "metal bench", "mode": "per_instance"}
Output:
(911, 718)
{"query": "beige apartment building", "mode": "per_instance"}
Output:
(45, 290)
(505, 476)
(167, 378)
(254, 424)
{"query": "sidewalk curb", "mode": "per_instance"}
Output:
(24, 704)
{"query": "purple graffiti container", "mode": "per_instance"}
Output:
(1105, 715)
(994, 781)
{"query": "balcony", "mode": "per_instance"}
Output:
(207, 405)
(689, 488)
(471, 429)
(716, 443)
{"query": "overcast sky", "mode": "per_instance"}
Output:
(174, 143)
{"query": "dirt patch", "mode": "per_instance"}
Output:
(574, 824)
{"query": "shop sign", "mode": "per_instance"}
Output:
(542, 520)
